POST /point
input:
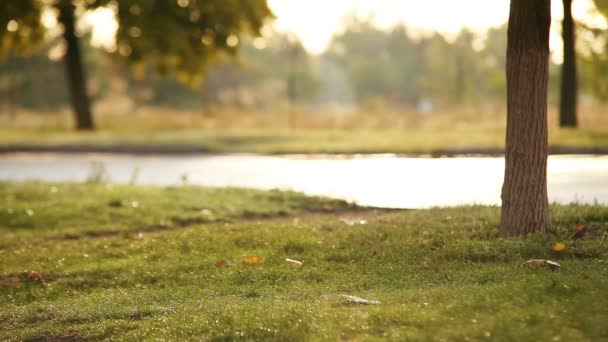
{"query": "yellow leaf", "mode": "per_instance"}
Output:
(253, 260)
(559, 246)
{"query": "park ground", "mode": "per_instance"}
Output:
(100, 261)
(454, 131)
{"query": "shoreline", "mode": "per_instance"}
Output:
(193, 149)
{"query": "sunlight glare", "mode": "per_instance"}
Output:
(103, 21)
(316, 21)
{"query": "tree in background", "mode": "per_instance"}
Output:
(569, 82)
(594, 56)
(494, 62)
(20, 26)
(525, 207)
(182, 35)
(76, 74)
(408, 68)
(258, 78)
(27, 34)
(353, 50)
(25, 79)
(185, 36)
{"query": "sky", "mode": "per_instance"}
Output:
(315, 21)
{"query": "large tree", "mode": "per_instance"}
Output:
(525, 207)
(569, 86)
(181, 36)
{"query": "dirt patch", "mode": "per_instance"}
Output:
(350, 214)
(68, 338)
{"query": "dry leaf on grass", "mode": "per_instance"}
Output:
(559, 247)
(542, 263)
(581, 230)
(295, 263)
(35, 276)
(253, 260)
(359, 300)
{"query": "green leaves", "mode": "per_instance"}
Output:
(185, 36)
(181, 36)
(20, 26)
(602, 6)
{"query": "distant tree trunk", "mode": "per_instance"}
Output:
(569, 87)
(291, 86)
(13, 94)
(74, 68)
(525, 207)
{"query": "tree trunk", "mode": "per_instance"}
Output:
(74, 69)
(525, 207)
(291, 86)
(567, 108)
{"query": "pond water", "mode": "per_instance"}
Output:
(378, 180)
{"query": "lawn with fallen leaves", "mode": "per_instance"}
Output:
(96, 261)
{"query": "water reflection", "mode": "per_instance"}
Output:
(381, 180)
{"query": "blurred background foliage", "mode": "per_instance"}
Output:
(365, 69)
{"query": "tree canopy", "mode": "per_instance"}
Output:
(183, 36)
(20, 26)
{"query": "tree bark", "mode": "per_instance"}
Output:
(525, 207)
(569, 86)
(74, 69)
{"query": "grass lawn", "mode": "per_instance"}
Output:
(305, 141)
(135, 263)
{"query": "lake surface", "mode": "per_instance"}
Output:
(378, 180)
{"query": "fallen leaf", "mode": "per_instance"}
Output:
(294, 262)
(220, 263)
(359, 300)
(559, 247)
(35, 276)
(542, 263)
(11, 281)
(581, 230)
(253, 260)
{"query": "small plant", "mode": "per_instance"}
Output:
(98, 173)
(134, 175)
(184, 178)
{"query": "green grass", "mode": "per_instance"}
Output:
(305, 141)
(440, 274)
